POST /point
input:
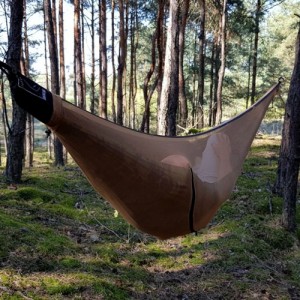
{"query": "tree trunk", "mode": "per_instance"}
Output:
(288, 170)
(80, 101)
(103, 57)
(160, 47)
(3, 115)
(133, 65)
(121, 66)
(213, 83)
(93, 63)
(62, 73)
(201, 63)
(61, 50)
(195, 82)
(249, 74)
(145, 125)
(222, 34)
(15, 155)
(183, 110)
(255, 50)
(113, 89)
(29, 133)
(49, 136)
(170, 89)
(54, 67)
(83, 54)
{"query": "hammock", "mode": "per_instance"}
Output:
(164, 186)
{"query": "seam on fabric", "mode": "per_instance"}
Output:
(192, 208)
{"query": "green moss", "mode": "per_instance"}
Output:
(70, 263)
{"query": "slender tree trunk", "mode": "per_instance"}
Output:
(289, 160)
(49, 136)
(132, 87)
(255, 50)
(113, 90)
(157, 44)
(214, 80)
(62, 73)
(29, 133)
(78, 56)
(103, 56)
(45, 52)
(15, 155)
(54, 66)
(160, 47)
(195, 79)
(223, 62)
(145, 126)
(201, 62)
(170, 89)
(134, 75)
(3, 117)
(121, 66)
(93, 63)
(82, 34)
(125, 85)
(183, 110)
(61, 50)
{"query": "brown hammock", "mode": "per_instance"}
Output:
(163, 186)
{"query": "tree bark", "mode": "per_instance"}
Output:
(201, 63)
(113, 89)
(160, 47)
(133, 80)
(170, 89)
(288, 170)
(145, 125)
(80, 101)
(121, 66)
(50, 141)
(15, 155)
(61, 50)
(183, 110)
(103, 56)
(54, 67)
(93, 63)
(255, 50)
(213, 82)
(221, 74)
(82, 34)
(29, 133)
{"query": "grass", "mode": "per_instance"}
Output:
(60, 240)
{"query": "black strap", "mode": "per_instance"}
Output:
(192, 208)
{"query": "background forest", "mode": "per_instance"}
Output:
(228, 54)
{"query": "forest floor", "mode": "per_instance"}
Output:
(60, 240)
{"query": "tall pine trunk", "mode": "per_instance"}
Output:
(255, 50)
(15, 155)
(201, 63)
(183, 110)
(121, 64)
(54, 67)
(80, 101)
(29, 133)
(113, 89)
(170, 88)
(289, 161)
(93, 62)
(103, 57)
(222, 34)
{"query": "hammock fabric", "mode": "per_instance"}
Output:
(163, 186)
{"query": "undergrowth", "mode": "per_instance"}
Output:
(60, 240)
